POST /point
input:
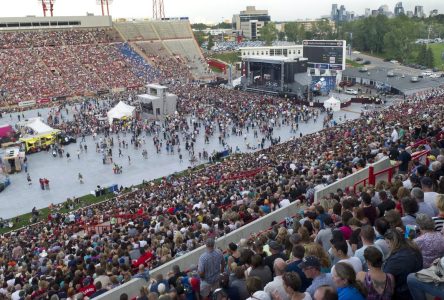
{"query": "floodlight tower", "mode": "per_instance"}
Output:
(158, 9)
(103, 4)
(47, 5)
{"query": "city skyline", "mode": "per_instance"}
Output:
(200, 11)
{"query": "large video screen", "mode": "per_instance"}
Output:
(323, 84)
(328, 54)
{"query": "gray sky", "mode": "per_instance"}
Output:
(208, 10)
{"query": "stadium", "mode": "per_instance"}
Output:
(309, 215)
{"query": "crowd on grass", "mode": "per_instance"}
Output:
(66, 256)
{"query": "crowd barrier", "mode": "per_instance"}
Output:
(352, 179)
(131, 288)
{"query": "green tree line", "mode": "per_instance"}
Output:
(392, 38)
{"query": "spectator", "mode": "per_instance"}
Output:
(239, 282)
(293, 266)
(368, 239)
(292, 285)
(381, 227)
(404, 159)
(429, 194)
(439, 219)
(340, 249)
(423, 207)
(276, 252)
(379, 285)
(276, 286)
(386, 203)
(312, 270)
(99, 290)
(325, 292)
(348, 288)
(423, 290)
(404, 258)
(258, 269)
(326, 234)
(211, 264)
(254, 289)
(429, 242)
(410, 208)
(370, 211)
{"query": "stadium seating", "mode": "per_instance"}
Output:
(154, 48)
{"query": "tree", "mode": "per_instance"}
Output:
(422, 55)
(210, 42)
(199, 36)
(269, 33)
(430, 60)
(295, 32)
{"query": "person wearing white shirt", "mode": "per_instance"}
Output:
(276, 286)
(394, 136)
(429, 194)
(340, 249)
(368, 239)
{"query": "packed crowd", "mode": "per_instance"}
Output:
(38, 65)
(66, 254)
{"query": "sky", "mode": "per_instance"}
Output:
(208, 11)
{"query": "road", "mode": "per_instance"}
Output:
(377, 62)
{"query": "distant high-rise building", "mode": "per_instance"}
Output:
(350, 16)
(419, 11)
(368, 12)
(342, 14)
(375, 12)
(409, 14)
(334, 12)
(433, 13)
(250, 21)
(399, 9)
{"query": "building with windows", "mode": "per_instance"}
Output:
(419, 11)
(399, 9)
(250, 21)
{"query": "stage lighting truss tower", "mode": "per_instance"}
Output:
(158, 9)
(103, 4)
(47, 5)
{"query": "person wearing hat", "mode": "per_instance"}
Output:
(312, 269)
(276, 252)
(211, 264)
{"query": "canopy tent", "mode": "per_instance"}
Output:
(6, 130)
(35, 126)
(333, 104)
(120, 111)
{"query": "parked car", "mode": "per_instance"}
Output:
(358, 59)
(414, 79)
(66, 139)
(351, 91)
(394, 61)
(427, 73)
(367, 62)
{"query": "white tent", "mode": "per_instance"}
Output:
(333, 104)
(37, 126)
(120, 110)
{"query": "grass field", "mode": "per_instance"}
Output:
(438, 49)
(353, 63)
(228, 57)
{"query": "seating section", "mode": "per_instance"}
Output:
(189, 52)
(35, 65)
(147, 31)
(129, 31)
(153, 48)
(173, 29)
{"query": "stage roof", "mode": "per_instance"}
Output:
(271, 59)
